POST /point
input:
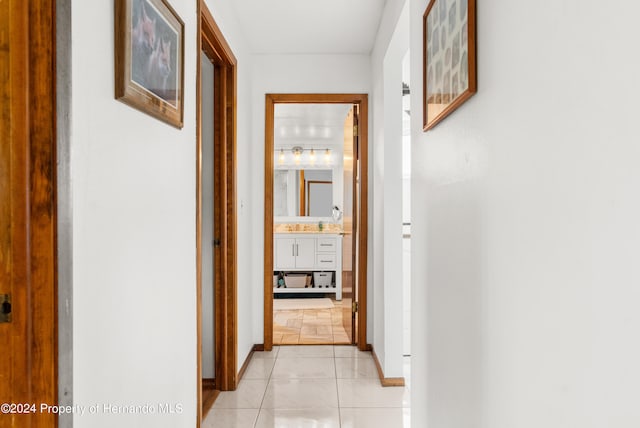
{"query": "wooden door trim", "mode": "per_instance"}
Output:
(212, 42)
(270, 100)
(28, 187)
(302, 197)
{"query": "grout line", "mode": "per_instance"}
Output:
(266, 388)
(335, 366)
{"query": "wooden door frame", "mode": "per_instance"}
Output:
(362, 101)
(28, 159)
(213, 44)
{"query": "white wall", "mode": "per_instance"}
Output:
(525, 225)
(134, 321)
(290, 74)
(134, 339)
(386, 216)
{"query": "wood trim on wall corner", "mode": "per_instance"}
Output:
(247, 360)
(385, 381)
(209, 395)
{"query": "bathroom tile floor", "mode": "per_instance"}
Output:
(321, 386)
(309, 326)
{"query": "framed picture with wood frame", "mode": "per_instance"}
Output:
(149, 58)
(449, 58)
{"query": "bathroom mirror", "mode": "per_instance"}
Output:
(303, 193)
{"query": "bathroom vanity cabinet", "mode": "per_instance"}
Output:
(309, 252)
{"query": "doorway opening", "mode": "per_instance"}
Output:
(215, 214)
(315, 219)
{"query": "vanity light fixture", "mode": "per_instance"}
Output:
(281, 157)
(297, 153)
(312, 156)
(327, 156)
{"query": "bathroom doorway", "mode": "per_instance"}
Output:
(315, 226)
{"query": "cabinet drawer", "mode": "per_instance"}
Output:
(326, 245)
(325, 261)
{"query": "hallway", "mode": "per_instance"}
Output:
(311, 386)
(524, 282)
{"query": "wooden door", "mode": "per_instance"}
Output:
(349, 217)
(28, 335)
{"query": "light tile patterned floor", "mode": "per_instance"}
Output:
(311, 387)
(309, 326)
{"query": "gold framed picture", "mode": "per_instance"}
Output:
(449, 58)
(149, 58)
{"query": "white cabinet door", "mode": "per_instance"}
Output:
(285, 253)
(305, 253)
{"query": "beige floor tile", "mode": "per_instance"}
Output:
(308, 330)
(297, 323)
(350, 352)
(259, 368)
(315, 340)
(301, 394)
(290, 339)
(324, 330)
(311, 386)
(315, 322)
(369, 393)
(356, 368)
(230, 418)
(248, 395)
(300, 418)
(267, 354)
(304, 368)
(374, 418)
(338, 329)
(312, 326)
(305, 351)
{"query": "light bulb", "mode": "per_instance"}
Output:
(297, 152)
(312, 156)
(281, 157)
(327, 156)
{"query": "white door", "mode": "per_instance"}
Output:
(305, 253)
(285, 253)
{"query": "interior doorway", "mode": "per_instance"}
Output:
(215, 214)
(315, 219)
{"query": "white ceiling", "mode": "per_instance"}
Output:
(310, 26)
(310, 125)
